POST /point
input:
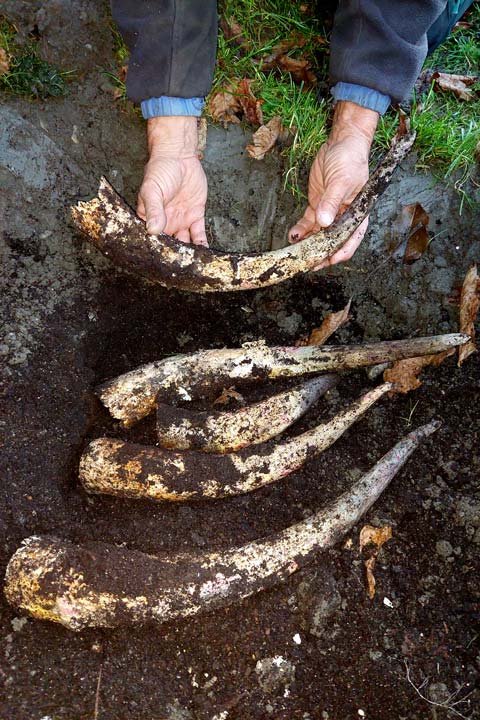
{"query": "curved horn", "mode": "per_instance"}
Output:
(99, 585)
(227, 432)
(112, 226)
(114, 467)
(133, 395)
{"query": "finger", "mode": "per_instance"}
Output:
(152, 199)
(303, 227)
(183, 236)
(141, 208)
(330, 204)
(348, 249)
(198, 233)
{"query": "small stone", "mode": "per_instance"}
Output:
(297, 639)
(444, 548)
(375, 655)
(274, 673)
(18, 623)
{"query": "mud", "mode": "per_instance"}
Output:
(72, 321)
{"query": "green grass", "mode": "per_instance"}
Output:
(448, 129)
(264, 24)
(28, 74)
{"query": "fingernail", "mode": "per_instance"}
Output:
(324, 218)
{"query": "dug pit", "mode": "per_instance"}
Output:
(73, 321)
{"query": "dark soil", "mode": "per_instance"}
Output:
(354, 654)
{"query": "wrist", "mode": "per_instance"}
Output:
(172, 137)
(350, 119)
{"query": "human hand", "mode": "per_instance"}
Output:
(173, 193)
(338, 173)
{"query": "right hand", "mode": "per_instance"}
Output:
(173, 193)
(338, 173)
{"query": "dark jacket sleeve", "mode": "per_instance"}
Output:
(172, 46)
(382, 44)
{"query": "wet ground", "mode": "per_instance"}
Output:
(316, 647)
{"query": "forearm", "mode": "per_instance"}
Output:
(172, 46)
(382, 45)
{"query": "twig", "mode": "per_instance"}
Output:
(446, 704)
(97, 694)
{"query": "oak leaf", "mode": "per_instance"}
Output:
(458, 84)
(330, 324)
(251, 106)
(404, 373)
(224, 104)
(469, 305)
(265, 138)
(370, 535)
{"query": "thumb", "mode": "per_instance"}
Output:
(329, 206)
(154, 211)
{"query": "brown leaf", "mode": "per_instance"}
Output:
(265, 138)
(224, 104)
(330, 324)
(370, 535)
(122, 73)
(469, 305)
(295, 41)
(404, 373)
(458, 84)
(252, 108)
(232, 30)
(299, 69)
(4, 62)
(414, 222)
(228, 394)
(417, 244)
(369, 565)
(374, 535)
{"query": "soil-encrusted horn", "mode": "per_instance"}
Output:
(133, 395)
(226, 432)
(112, 226)
(114, 467)
(99, 585)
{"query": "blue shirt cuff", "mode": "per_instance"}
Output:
(363, 96)
(166, 106)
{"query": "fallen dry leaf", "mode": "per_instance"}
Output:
(469, 305)
(4, 62)
(299, 69)
(370, 535)
(371, 582)
(228, 394)
(252, 107)
(232, 30)
(374, 535)
(295, 41)
(412, 223)
(458, 84)
(404, 373)
(330, 324)
(224, 104)
(265, 138)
